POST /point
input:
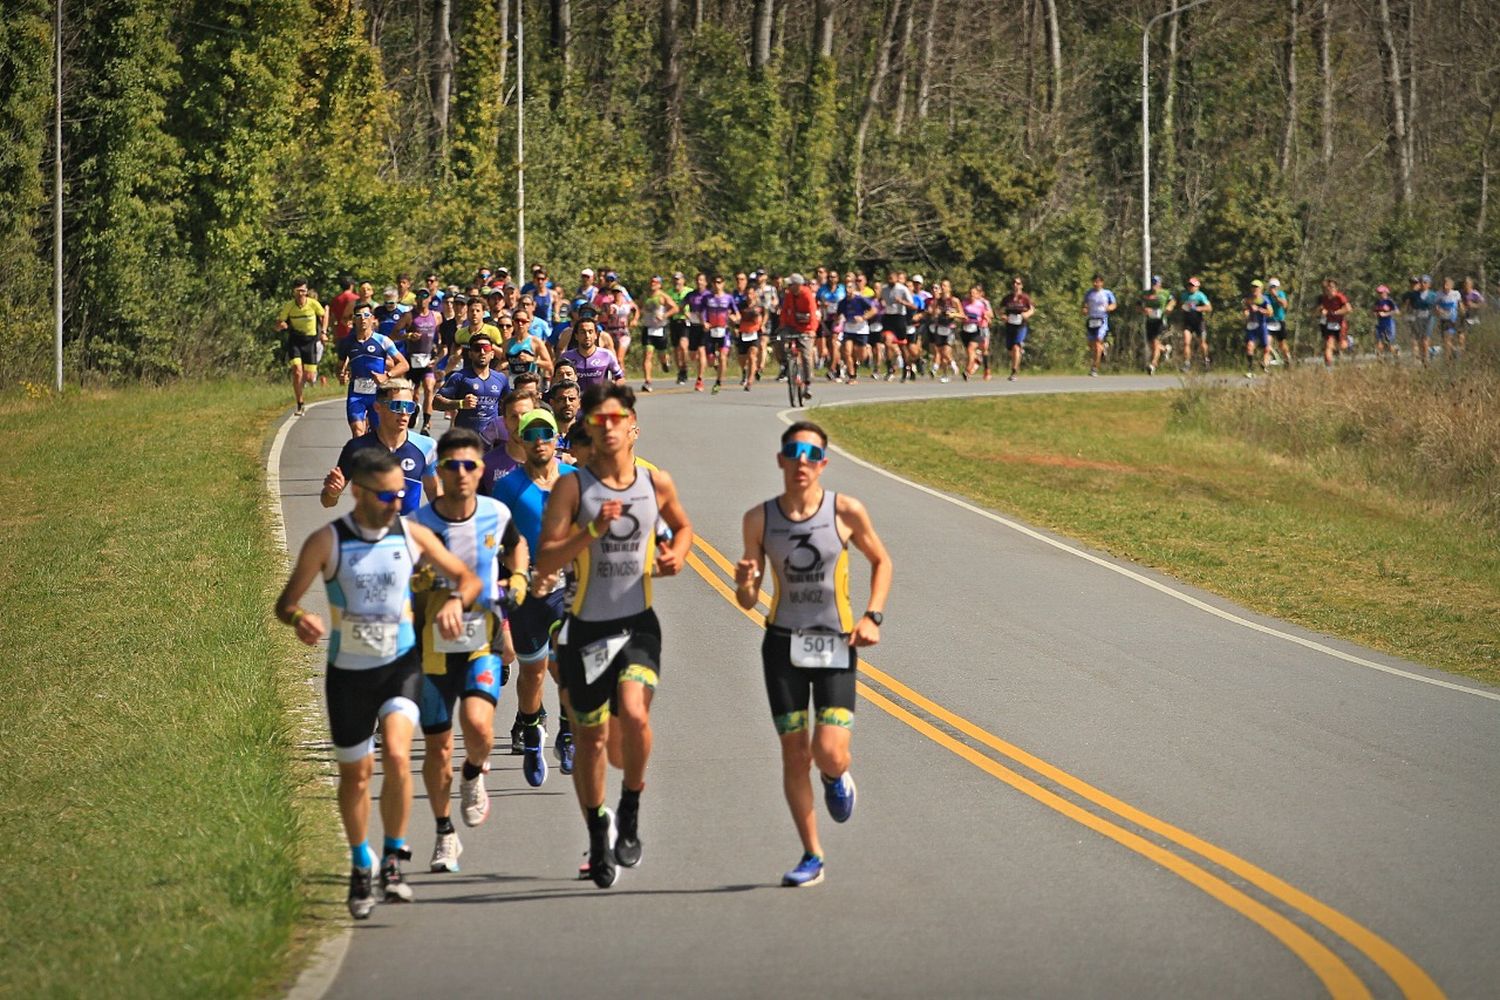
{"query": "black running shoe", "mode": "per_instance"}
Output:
(361, 892)
(627, 834)
(601, 852)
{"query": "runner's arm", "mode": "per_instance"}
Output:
(400, 367)
(442, 401)
(310, 562)
(670, 556)
(449, 619)
(751, 567)
(862, 534)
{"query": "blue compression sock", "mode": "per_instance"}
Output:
(393, 845)
(361, 855)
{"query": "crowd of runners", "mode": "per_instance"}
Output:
(710, 329)
(523, 544)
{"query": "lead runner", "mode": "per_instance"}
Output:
(811, 632)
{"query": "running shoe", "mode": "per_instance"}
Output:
(517, 736)
(809, 871)
(392, 885)
(565, 752)
(475, 798)
(361, 892)
(747, 386)
(988, 376)
(1249, 374)
(627, 837)
(682, 376)
(646, 387)
(1150, 369)
(838, 795)
(300, 410)
(534, 766)
(698, 386)
(602, 854)
(1093, 373)
(445, 852)
(427, 426)
(944, 380)
(1012, 377)
(807, 392)
(717, 386)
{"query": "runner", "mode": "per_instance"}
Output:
(609, 650)
(803, 535)
(945, 314)
(619, 313)
(919, 331)
(464, 670)
(718, 313)
(1098, 303)
(977, 318)
(506, 453)
(768, 297)
(1386, 312)
(593, 364)
(1195, 308)
(371, 359)
(1333, 308)
(1419, 301)
(415, 453)
(417, 336)
(896, 303)
(1257, 311)
(1018, 309)
(473, 393)
(524, 491)
(374, 672)
(564, 396)
(1278, 325)
(830, 293)
(749, 328)
(1448, 305)
(660, 310)
(525, 350)
(856, 311)
(678, 325)
(406, 297)
(341, 312)
(1156, 304)
(305, 323)
(1473, 309)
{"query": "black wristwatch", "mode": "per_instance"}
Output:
(876, 617)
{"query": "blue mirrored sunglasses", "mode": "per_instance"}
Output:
(538, 432)
(794, 451)
(406, 406)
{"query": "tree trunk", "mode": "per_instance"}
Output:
(697, 15)
(1481, 217)
(1289, 126)
(502, 11)
(823, 16)
(1325, 68)
(902, 52)
(442, 74)
(873, 92)
(924, 63)
(1396, 138)
(1054, 52)
(1411, 83)
(562, 32)
(760, 36)
(671, 78)
(1028, 29)
(778, 34)
(1168, 142)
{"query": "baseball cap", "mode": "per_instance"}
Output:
(918, 279)
(1257, 283)
(536, 416)
(459, 299)
(1383, 290)
(1156, 279)
(587, 272)
(611, 276)
(391, 295)
(656, 278)
(494, 290)
(1194, 282)
(501, 270)
(1426, 279)
(423, 293)
(795, 279)
(1274, 282)
(1414, 279)
(678, 274)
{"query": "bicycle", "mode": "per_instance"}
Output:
(796, 382)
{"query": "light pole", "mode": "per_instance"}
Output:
(520, 143)
(57, 213)
(1146, 136)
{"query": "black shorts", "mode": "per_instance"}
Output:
(301, 350)
(1154, 329)
(1192, 323)
(532, 623)
(678, 328)
(788, 687)
(656, 339)
(744, 347)
(942, 336)
(895, 325)
(355, 698)
(694, 336)
(858, 339)
(638, 659)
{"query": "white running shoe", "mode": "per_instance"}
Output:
(445, 852)
(475, 798)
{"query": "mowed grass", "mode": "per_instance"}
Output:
(1147, 477)
(159, 821)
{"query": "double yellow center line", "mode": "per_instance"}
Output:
(1340, 981)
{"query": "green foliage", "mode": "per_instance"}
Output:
(25, 238)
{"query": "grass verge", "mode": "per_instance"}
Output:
(1155, 480)
(161, 822)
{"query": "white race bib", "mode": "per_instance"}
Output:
(718, 332)
(1423, 314)
(819, 650)
(749, 336)
(421, 360)
(974, 327)
(1153, 314)
(1333, 326)
(373, 637)
(1251, 324)
(1095, 322)
(472, 638)
(597, 656)
(1273, 326)
(1014, 319)
(365, 386)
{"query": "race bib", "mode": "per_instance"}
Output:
(365, 386)
(472, 638)
(373, 637)
(1153, 314)
(974, 327)
(1252, 325)
(942, 331)
(1014, 319)
(1095, 323)
(1333, 326)
(749, 336)
(421, 360)
(1273, 326)
(718, 332)
(597, 656)
(819, 650)
(1423, 314)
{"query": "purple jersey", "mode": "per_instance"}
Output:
(497, 462)
(716, 309)
(694, 301)
(595, 368)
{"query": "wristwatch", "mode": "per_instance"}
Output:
(876, 617)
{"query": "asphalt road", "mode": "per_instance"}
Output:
(1073, 781)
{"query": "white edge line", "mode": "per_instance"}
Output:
(322, 968)
(787, 416)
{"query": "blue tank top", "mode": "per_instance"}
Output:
(478, 540)
(369, 595)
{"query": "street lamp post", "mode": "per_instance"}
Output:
(520, 142)
(1146, 136)
(57, 209)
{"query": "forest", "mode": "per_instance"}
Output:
(213, 150)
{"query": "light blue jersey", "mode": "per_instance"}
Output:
(479, 540)
(368, 579)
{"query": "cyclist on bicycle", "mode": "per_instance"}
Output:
(799, 320)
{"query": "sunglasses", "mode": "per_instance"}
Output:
(458, 464)
(602, 419)
(481, 347)
(538, 432)
(406, 406)
(386, 496)
(364, 315)
(795, 451)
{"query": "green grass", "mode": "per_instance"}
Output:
(161, 820)
(1126, 473)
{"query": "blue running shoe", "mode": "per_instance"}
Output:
(534, 766)
(809, 871)
(839, 797)
(565, 753)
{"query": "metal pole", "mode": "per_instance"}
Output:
(1146, 136)
(520, 143)
(57, 210)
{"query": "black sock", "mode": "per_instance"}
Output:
(472, 770)
(598, 819)
(631, 796)
(531, 720)
(445, 824)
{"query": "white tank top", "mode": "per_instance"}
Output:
(614, 572)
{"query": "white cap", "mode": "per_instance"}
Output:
(796, 279)
(918, 277)
(587, 272)
(1274, 282)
